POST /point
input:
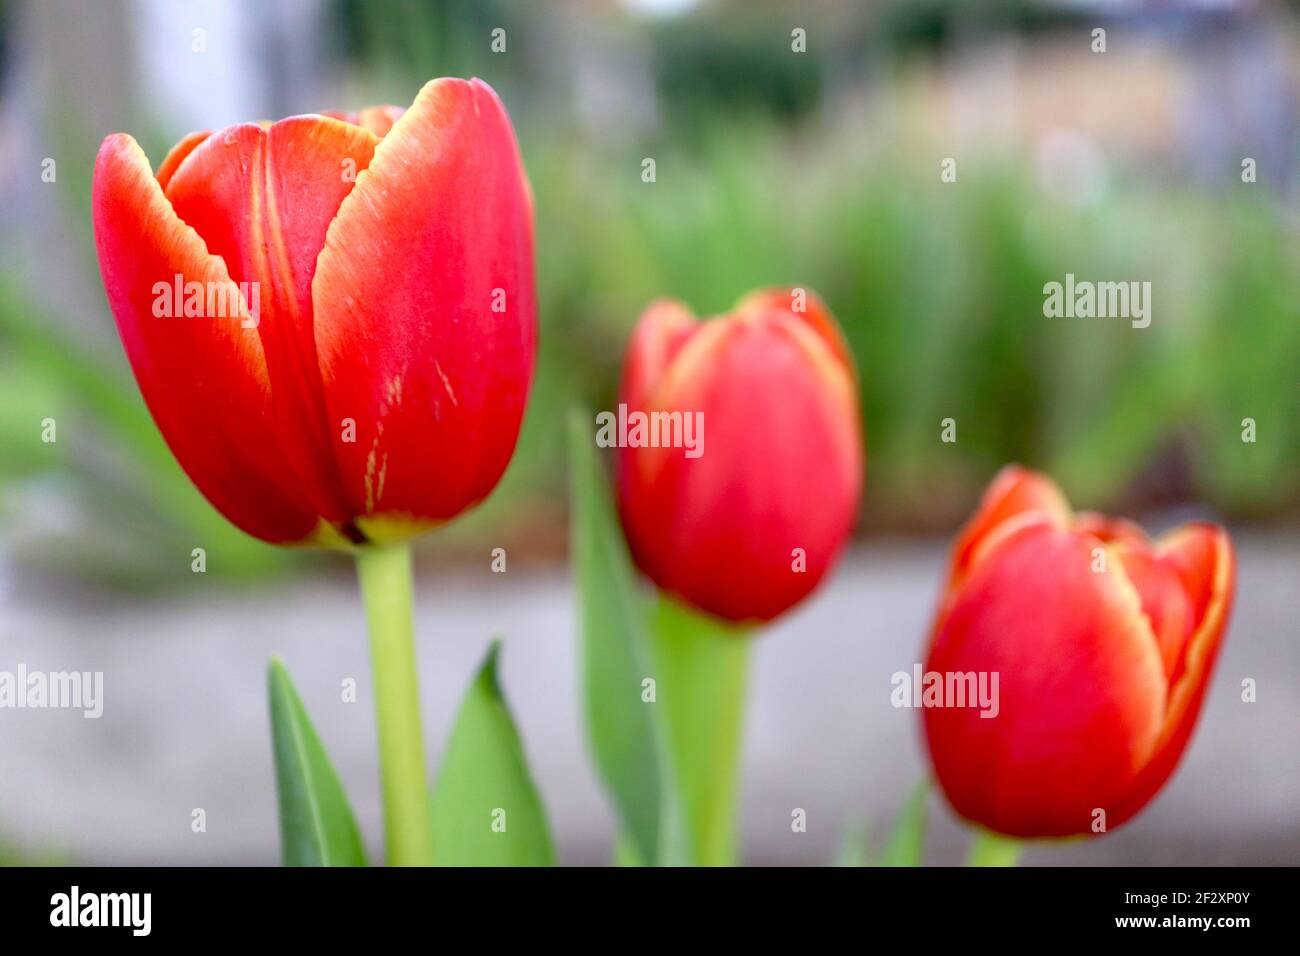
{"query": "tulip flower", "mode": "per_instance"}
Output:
(332, 320)
(1104, 642)
(747, 523)
(739, 468)
(376, 386)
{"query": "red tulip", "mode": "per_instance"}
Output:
(1103, 642)
(745, 524)
(368, 378)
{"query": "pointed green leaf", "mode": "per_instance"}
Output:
(906, 845)
(614, 650)
(317, 827)
(485, 807)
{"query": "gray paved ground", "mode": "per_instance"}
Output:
(185, 722)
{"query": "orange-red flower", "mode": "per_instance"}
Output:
(744, 524)
(1103, 642)
(367, 376)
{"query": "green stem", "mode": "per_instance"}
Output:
(993, 849)
(702, 665)
(385, 575)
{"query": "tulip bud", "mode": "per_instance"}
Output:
(332, 318)
(744, 521)
(1103, 642)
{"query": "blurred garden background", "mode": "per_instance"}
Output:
(819, 168)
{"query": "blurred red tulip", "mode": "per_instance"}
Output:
(744, 524)
(1104, 642)
(332, 318)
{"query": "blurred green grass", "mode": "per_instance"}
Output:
(939, 289)
(938, 286)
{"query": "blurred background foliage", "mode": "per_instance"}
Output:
(819, 169)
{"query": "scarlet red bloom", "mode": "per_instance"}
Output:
(746, 525)
(368, 374)
(1103, 642)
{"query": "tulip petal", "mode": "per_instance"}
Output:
(1017, 493)
(1202, 556)
(806, 306)
(426, 311)
(347, 116)
(380, 119)
(1164, 599)
(204, 378)
(1108, 530)
(377, 119)
(1081, 686)
(263, 199)
(664, 327)
(178, 154)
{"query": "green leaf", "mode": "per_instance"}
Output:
(625, 852)
(906, 845)
(317, 827)
(485, 807)
(621, 728)
(852, 847)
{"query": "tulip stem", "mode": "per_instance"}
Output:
(701, 666)
(993, 849)
(385, 576)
